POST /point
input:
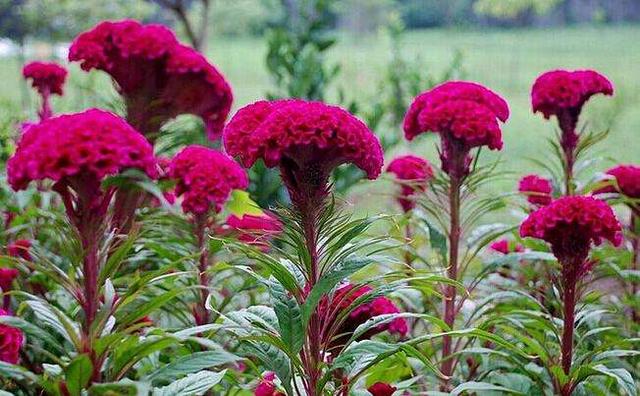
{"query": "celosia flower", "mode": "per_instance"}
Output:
(465, 115)
(47, 78)
(205, 178)
(505, 247)
(563, 93)
(571, 224)
(158, 77)
(537, 189)
(11, 340)
(381, 389)
(307, 140)
(79, 149)
(7, 275)
(267, 386)
(413, 173)
(20, 248)
(627, 181)
(255, 230)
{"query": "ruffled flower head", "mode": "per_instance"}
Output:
(381, 389)
(504, 246)
(465, 114)
(255, 230)
(205, 178)
(7, 276)
(537, 189)
(571, 224)
(47, 78)
(307, 140)
(11, 340)
(80, 149)
(20, 248)
(158, 77)
(627, 181)
(413, 173)
(267, 386)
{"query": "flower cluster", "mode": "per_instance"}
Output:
(205, 178)
(504, 246)
(159, 77)
(465, 114)
(7, 275)
(627, 181)
(87, 146)
(267, 386)
(560, 91)
(413, 173)
(20, 248)
(254, 230)
(11, 340)
(571, 224)
(47, 78)
(537, 189)
(307, 140)
(381, 389)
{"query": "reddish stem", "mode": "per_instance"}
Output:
(45, 111)
(569, 142)
(570, 269)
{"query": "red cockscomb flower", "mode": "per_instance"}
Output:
(465, 115)
(11, 340)
(381, 389)
(79, 148)
(20, 248)
(307, 140)
(537, 189)
(571, 224)
(267, 386)
(205, 178)
(504, 246)
(7, 275)
(158, 77)
(413, 173)
(47, 78)
(627, 181)
(255, 230)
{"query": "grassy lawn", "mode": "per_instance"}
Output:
(507, 61)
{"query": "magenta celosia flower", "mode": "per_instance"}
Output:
(465, 115)
(79, 149)
(205, 178)
(255, 230)
(381, 389)
(413, 173)
(20, 248)
(504, 246)
(7, 276)
(307, 140)
(47, 78)
(571, 224)
(158, 77)
(267, 386)
(627, 181)
(537, 189)
(11, 340)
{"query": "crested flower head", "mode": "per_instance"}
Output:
(465, 114)
(11, 340)
(627, 181)
(267, 386)
(413, 173)
(84, 147)
(20, 248)
(537, 189)
(558, 91)
(307, 140)
(47, 78)
(504, 246)
(255, 230)
(7, 275)
(571, 224)
(381, 389)
(158, 77)
(205, 178)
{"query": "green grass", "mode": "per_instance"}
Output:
(507, 61)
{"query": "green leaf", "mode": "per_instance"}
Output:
(18, 373)
(190, 364)
(78, 373)
(128, 355)
(437, 239)
(621, 376)
(472, 387)
(192, 384)
(289, 315)
(241, 204)
(125, 387)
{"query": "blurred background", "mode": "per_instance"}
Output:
(372, 56)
